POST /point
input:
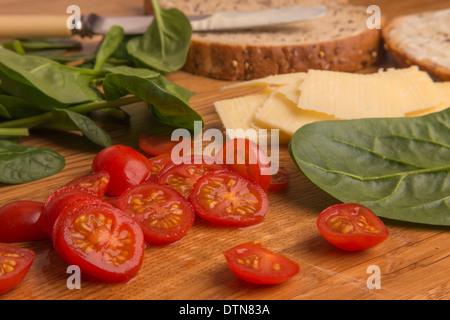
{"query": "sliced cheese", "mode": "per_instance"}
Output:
(390, 93)
(274, 80)
(444, 89)
(291, 91)
(238, 113)
(278, 112)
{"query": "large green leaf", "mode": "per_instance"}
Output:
(165, 44)
(44, 82)
(170, 102)
(398, 167)
(21, 164)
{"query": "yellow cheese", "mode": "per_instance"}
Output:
(238, 113)
(278, 112)
(274, 80)
(390, 93)
(444, 89)
(291, 91)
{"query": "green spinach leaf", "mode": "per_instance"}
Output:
(21, 164)
(398, 167)
(165, 44)
(44, 82)
(69, 120)
(111, 42)
(170, 102)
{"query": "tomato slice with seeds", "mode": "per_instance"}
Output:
(228, 198)
(164, 215)
(182, 177)
(279, 180)
(103, 241)
(156, 164)
(96, 183)
(351, 226)
(15, 262)
(19, 221)
(53, 209)
(247, 158)
(256, 264)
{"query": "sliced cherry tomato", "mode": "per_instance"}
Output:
(102, 240)
(15, 262)
(227, 197)
(280, 180)
(19, 221)
(156, 164)
(182, 177)
(163, 214)
(254, 263)
(57, 204)
(96, 183)
(157, 144)
(247, 158)
(351, 226)
(112, 200)
(126, 167)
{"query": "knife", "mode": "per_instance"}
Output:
(38, 26)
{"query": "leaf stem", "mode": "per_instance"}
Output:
(35, 121)
(14, 132)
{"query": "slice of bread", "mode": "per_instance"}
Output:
(421, 39)
(340, 41)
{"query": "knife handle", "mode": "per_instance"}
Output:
(34, 26)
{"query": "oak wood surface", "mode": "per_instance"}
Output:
(414, 261)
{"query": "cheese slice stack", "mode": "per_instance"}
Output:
(290, 101)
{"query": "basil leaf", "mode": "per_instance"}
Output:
(44, 82)
(398, 167)
(45, 44)
(68, 120)
(111, 42)
(21, 164)
(165, 44)
(170, 102)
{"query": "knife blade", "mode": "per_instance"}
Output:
(32, 26)
(220, 21)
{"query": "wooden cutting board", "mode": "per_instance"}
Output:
(413, 262)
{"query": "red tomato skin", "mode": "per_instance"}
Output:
(12, 279)
(153, 236)
(157, 144)
(125, 166)
(280, 180)
(252, 162)
(157, 163)
(94, 266)
(222, 218)
(57, 204)
(351, 241)
(19, 221)
(264, 275)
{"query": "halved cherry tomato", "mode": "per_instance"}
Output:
(156, 164)
(280, 180)
(102, 240)
(126, 167)
(163, 214)
(57, 204)
(157, 144)
(182, 177)
(18, 221)
(247, 158)
(96, 183)
(15, 262)
(256, 264)
(351, 226)
(227, 197)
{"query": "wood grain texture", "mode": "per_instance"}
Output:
(414, 260)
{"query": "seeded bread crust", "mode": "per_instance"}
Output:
(423, 57)
(247, 55)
